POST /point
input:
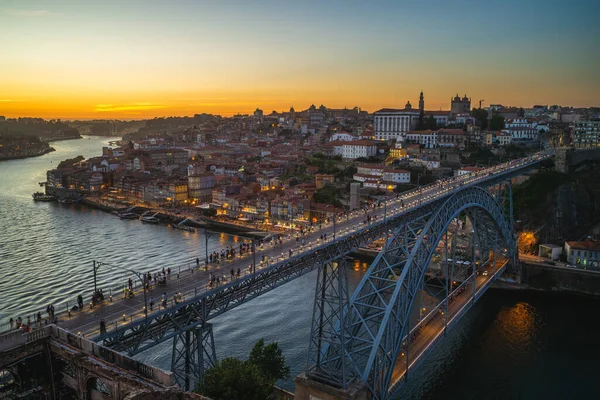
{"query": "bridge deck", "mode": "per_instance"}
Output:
(433, 329)
(195, 283)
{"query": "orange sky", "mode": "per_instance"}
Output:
(137, 59)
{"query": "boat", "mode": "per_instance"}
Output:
(39, 196)
(66, 201)
(127, 215)
(151, 219)
(184, 228)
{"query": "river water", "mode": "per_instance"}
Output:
(511, 345)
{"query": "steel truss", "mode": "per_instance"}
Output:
(193, 353)
(327, 334)
(379, 309)
(139, 336)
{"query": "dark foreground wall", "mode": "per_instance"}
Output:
(554, 278)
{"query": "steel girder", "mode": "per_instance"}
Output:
(379, 308)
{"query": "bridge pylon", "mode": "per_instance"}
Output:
(193, 353)
(327, 362)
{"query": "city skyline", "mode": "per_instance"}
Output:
(146, 59)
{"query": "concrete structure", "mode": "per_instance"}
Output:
(354, 195)
(72, 366)
(550, 251)
(309, 389)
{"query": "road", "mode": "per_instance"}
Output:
(121, 311)
(434, 327)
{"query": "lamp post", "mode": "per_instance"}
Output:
(141, 277)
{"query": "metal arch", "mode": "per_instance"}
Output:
(383, 346)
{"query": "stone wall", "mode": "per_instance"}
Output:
(553, 278)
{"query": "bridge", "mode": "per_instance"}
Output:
(373, 339)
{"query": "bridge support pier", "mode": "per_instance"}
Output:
(327, 361)
(193, 353)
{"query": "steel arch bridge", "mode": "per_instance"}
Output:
(366, 338)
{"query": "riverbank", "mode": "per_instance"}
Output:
(31, 153)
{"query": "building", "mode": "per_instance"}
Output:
(390, 123)
(200, 186)
(323, 179)
(342, 136)
(258, 113)
(521, 129)
(426, 138)
(583, 254)
(460, 106)
(451, 138)
(586, 133)
(355, 149)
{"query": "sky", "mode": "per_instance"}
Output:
(141, 59)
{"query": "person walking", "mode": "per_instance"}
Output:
(102, 327)
(80, 301)
(11, 322)
(151, 303)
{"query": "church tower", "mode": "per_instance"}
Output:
(421, 111)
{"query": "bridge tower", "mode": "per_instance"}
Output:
(193, 353)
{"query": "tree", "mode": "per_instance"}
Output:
(269, 360)
(497, 122)
(430, 123)
(480, 116)
(234, 379)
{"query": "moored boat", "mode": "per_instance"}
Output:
(128, 215)
(39, 196)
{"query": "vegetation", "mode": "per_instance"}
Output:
(480, 116)
(234, 379)
(327, 195)
(370, 160)
(69, 162)
(497, 122)
(531, 194)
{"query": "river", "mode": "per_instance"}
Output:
(511, 345)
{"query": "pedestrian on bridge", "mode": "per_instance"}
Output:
(151, 303)
(102, 326)
(80, 301)
(130, 284)
(197, 262)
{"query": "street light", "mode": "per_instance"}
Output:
(141, 277)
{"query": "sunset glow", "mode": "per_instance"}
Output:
(140, 59)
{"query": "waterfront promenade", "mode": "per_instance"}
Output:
(193, 281)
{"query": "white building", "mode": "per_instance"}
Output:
(390, 123)
(426, 138)
(342, 136)
(377, 176)
(583, 254)
(355, 149)
(521, 129)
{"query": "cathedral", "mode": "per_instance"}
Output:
(460, 106)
